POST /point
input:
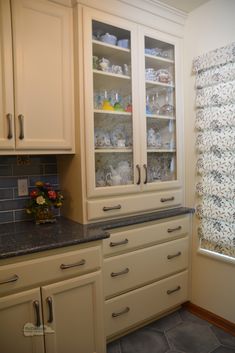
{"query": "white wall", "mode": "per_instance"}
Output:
(208, 27)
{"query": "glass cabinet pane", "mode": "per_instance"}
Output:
(160, 110)
(112, 105)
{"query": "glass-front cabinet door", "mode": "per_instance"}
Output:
(111, 113)
(131, 107)
(160, 111)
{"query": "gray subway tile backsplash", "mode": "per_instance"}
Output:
(12, 206)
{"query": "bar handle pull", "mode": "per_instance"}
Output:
(50, 308)
(174, 255)
(115, 274)
(9, 121)
(21, 122)
(117, 207)
(170, 230)
(165, 199)
(146, 173)
(139, 174)
(76, 264)
(124, 311)
(170, 291)
(121, 242)
(37, 312)
(10, 280)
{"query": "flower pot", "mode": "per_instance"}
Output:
(44, 215)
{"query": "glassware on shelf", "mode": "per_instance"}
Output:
(154, 106)
(167, 109)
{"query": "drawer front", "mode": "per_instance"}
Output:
(141, 304)
(150, 233)
(127, 271)
(118, 206)
(48, 269)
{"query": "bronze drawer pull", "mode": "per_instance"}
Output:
(175, 255)
(10, 280)
(126, 310)
(50, 307)
(121, 242)
(170, 230)
(115, 274)
(146, 174)
(37, 312)
(9, 121)
(167, 199)
(118, 207)
(170, 291)
(80, 263)
(21, 122)
(139, 174)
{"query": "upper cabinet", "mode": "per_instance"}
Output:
(36, 49)
(132, 107)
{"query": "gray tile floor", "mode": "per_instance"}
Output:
(179, 332)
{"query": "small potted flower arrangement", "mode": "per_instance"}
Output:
(42, 200)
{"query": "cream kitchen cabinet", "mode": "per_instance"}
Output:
(145, 272)
(65, 304)
(36, 110)
(131, 125)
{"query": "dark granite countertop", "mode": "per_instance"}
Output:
(25, 237)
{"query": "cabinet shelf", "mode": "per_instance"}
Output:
(152, 58)
(103, 45)
(113, 150)
(157, 150)
(99, 72)
(111, 112)
(160, 84)
(163, 117)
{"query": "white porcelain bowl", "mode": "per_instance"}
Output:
(109, 38)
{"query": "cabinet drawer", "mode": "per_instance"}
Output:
(144, 235)
(48, 269)
(118, 206)
(141, 304)
(127, 271)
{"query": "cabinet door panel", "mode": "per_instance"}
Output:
(161, 105)
(15, 311)
(75, 314)
(6, 79)
(43, 74)
(111, 99)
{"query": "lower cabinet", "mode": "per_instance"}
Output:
(16, 310)
(63, 316)
(145, 272)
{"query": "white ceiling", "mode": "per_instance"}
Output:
(183, 5)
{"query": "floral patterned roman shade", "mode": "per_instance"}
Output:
(215, 124)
